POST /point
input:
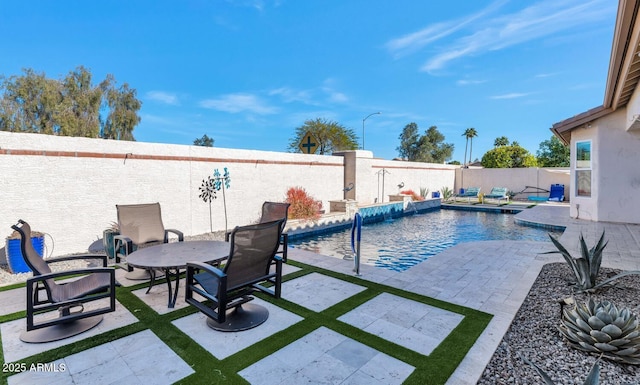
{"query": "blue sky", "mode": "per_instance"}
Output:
(248, 72)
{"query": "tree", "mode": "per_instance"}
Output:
(205, 141)
(331, 136)
(409, 142)
(469, 133)
(501, 141)
(123, 111)
(512, 156)
(429, 147)
(553, 153)
(70, 106)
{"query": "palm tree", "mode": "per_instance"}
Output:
(469, 133)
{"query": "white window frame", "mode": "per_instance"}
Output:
(584, 170)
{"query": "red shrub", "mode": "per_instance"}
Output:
(303, 206)
(414, 196)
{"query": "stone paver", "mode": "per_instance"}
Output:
(326, 357)
(318, 292)
(141, 358)
(408, 323)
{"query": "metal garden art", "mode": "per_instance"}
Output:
(210, 187)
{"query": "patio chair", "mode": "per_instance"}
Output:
(272, 211)
(45, 294)
(497, 193)
(140, 225)
(471, 192)
(556, 193)
(228, 288)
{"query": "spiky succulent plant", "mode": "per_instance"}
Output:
(604, 329)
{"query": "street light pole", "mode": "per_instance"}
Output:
(375, 113)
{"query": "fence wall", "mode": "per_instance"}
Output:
(515, 179)
(69, 187)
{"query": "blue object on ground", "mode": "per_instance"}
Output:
(556, 193)
(14, 254)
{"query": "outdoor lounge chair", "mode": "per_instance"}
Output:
(471, 192)
(557, 193)
(229, 287)
(272, 211)
(45, 294)
(140, 225)
(497, 193)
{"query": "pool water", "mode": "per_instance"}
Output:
(404, 242)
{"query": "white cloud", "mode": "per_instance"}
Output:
(290, 95)
(513, 95)
(239, 102)
(481, 32)
(334, 96)
(465, 82)
(163, 97)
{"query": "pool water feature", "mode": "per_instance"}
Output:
(401, 243)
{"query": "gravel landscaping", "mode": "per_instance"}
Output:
(534, 334)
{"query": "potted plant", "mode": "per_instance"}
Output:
(14, 252)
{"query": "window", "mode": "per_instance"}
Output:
(583, 169)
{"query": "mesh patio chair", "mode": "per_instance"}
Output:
(272, 211)
(140, 225)
(228, 288)
(45, 294)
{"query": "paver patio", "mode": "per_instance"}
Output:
(504, 270)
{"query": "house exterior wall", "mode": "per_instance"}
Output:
(615, 175)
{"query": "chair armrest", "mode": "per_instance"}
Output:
(176, 232)
(206, 267)
(44, 277)
(103, 257)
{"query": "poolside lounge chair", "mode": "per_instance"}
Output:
(140, 225)
(497, 193)
(228, 288)
(557, 193)
(45, 295)
(470, 192)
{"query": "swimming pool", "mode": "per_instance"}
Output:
(401, 243)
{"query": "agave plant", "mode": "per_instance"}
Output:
(586, 268)
(604, 329)
(593, 378)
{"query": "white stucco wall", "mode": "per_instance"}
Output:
(514, 179)
(73, 196)
(616, 174)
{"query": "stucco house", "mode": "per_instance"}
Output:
(605, 141)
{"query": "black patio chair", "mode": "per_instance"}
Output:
(45, 294)
(272, 211)
(140, 225)
(229, 287)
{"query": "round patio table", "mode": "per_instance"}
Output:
(171, 257)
